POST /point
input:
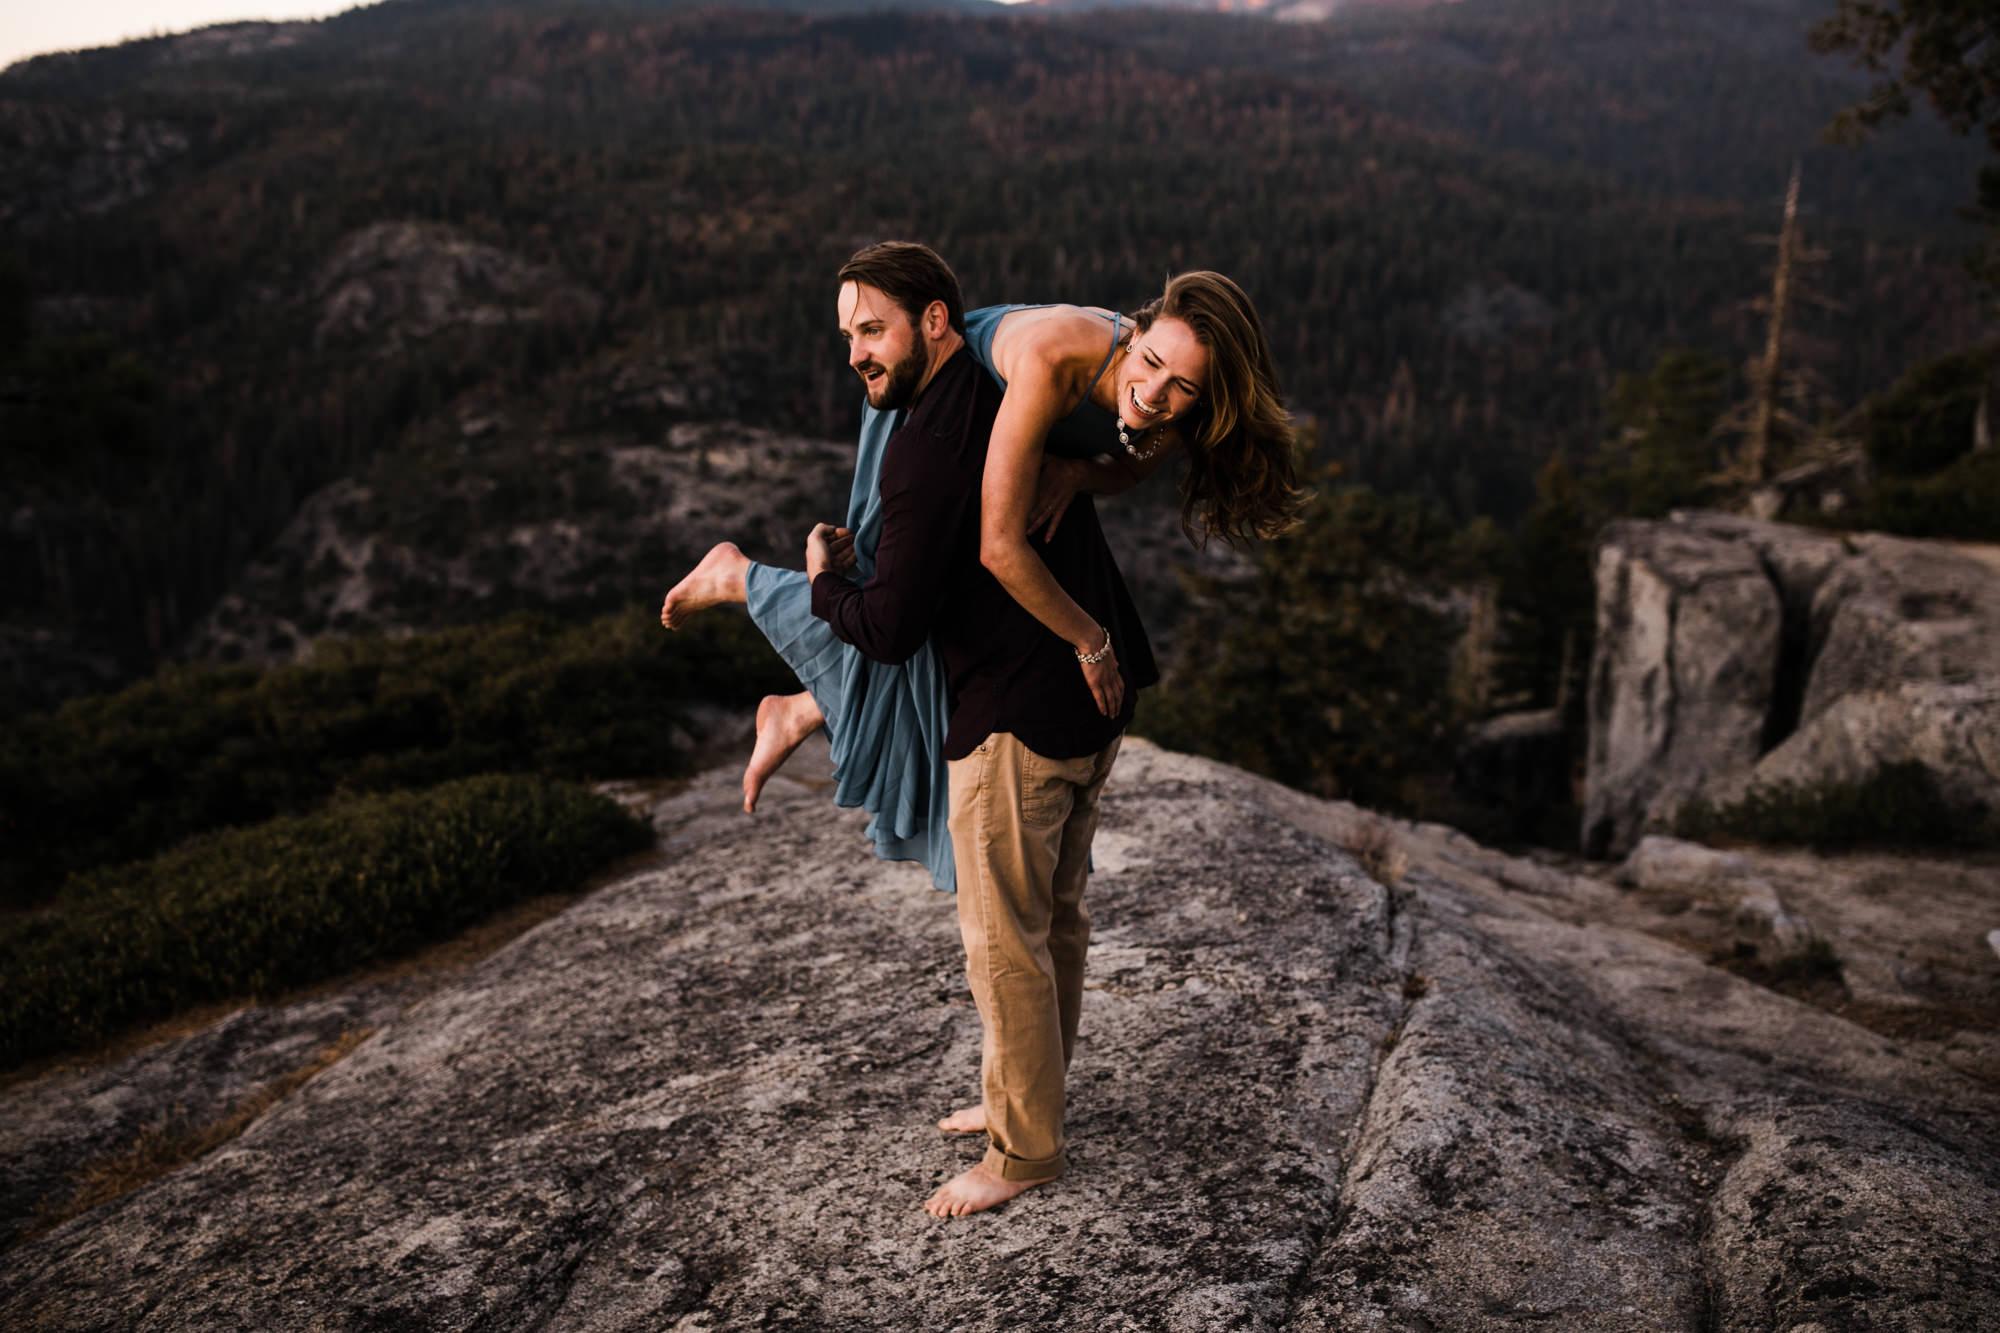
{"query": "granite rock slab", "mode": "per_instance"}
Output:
(1456, 1093)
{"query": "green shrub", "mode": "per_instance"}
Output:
(1663, 447)
(1924, 421)
(1919, 435)
(200, 747)
(1328, 670)
(251, 911)
(1898, 805)
(1961, 502)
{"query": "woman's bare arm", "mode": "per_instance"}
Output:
(1034, 400)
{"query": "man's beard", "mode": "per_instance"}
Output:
(899, 381)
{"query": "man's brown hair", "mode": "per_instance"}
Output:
(911, 275)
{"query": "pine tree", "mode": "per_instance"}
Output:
(1950, 54)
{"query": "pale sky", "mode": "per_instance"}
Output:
(30, 27)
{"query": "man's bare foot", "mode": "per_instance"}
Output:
(975, 1191)
(783, 723)
(970, 1120)
(716, 580)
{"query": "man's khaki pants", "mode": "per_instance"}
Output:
(1021, 827)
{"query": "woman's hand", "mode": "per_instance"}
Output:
(1107, 687)
(1058, 484)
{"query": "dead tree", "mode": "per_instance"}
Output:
(1764, 420)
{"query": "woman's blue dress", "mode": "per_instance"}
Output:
(887, 723)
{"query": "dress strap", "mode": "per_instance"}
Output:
(1116, 320)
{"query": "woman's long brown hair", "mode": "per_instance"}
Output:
(1242, 477)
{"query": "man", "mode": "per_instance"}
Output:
(1027, 749)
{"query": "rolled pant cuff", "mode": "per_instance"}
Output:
(1018, 1168)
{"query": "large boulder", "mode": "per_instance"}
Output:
(1897, 612)
(1734, 653)
(1417, 1085)
(1953, 731)
(1682, 676)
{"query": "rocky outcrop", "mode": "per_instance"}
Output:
(1734, 653)
(70, 1123)
(482, 515)
(1490, 315)
(577, 525)
(1899, 611)
(1463, 1091)
(1750, 900)
(1818, 485)
(1952, 730)
(57, 163)
(233, 41)
(393, 282)
(1683, 674)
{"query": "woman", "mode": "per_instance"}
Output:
(1094, 401)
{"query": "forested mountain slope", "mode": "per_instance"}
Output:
(1459, 231)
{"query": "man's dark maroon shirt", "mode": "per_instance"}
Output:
(1006, 670)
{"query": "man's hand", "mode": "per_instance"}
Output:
(1060, 480)
(828, 547)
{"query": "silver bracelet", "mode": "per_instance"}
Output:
(1090, 659)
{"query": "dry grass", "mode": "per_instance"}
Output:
(164, 1148)
(1377, 846)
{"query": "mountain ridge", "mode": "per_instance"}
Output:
(694, 174)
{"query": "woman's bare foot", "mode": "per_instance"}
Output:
(716, 580)
(783, 722)
(970, 1120)
(975, 1191)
